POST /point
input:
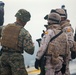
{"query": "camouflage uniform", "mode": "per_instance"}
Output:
(54, 61)
(15, 40)
(67, 28)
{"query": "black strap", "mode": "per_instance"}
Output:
(54, 20)
(53, 39)
(46, 50)
(56, 35)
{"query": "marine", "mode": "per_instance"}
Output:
(68, 29)
(15, 40)
(52, 53)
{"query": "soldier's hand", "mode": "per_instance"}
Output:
(37, 64)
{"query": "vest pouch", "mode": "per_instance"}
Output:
(10, 36)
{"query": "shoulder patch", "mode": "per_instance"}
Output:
(68, 30)
(46, 32)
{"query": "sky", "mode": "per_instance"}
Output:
(38, 9)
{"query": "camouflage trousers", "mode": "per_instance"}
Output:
(67, 72)
(1, 68)
(12, 64)
(51, 69)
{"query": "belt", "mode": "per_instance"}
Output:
(12, 51)
(9, 50)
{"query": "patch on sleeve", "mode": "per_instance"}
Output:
(68, 30)
(46, 32)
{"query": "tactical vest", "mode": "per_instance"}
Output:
(59, 46)
(10, 36)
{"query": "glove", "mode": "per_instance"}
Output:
(63, 69)
(73, 54)
(37, 62)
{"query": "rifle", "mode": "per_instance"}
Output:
(38, 40)
(41, 64)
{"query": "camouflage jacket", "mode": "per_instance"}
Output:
(57, 47)
(67, 28)
(49, 33)
(24, 40)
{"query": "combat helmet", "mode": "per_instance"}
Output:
(23, 15)
(54, 18)
(61, 12)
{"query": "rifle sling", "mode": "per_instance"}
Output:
(56, 35)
